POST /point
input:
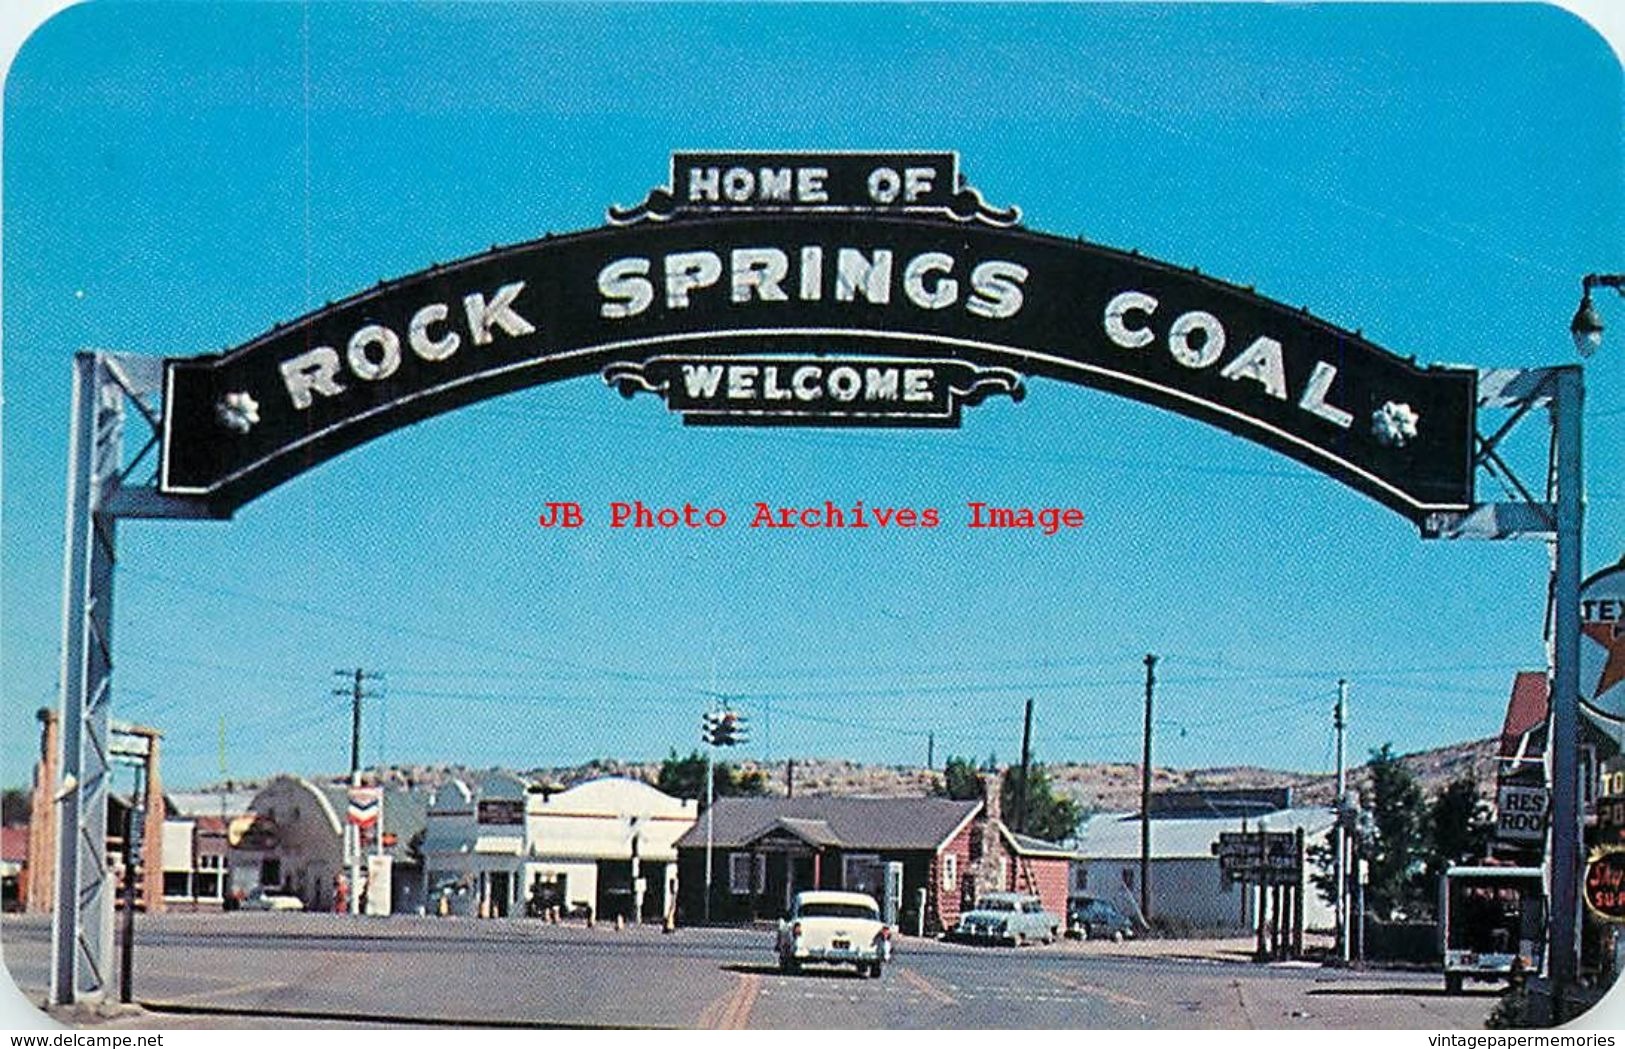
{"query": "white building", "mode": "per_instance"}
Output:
(609, 844)
(1186, 885)
(473, 842)
(292, 839)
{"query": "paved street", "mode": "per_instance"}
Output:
(284, 970)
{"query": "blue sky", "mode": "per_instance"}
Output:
(178, 178)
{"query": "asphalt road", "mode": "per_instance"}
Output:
(281, 970)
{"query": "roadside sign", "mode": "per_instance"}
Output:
(1602, 651)
(1266, 857)
(1605, 884)
(365, 805)
(1520, 813)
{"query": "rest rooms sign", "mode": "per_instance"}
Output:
(811, 256)
(1520, 813)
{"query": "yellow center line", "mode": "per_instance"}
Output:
(926, 987)
(744, 999)
(1099, 992)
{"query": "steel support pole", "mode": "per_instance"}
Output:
(1563, 955)
(80, 922)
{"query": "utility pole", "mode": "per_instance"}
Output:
(1341, 837)
(930, 750)
(1026, 767)
(352, 834)
(1145, 794)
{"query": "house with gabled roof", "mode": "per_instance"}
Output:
(942, 854)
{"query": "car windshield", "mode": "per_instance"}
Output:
(837, 910)
(996, 905)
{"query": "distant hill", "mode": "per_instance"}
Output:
(1097, 787)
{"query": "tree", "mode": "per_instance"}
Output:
(960, 780)
(1050, 816)
(685, 778)
(1395, 849)
(1459, 827)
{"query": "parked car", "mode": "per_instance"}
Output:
(839, 927)
(1013, 918)
(1088, 918)
(260, 898)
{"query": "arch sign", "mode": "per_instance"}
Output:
(870, 289)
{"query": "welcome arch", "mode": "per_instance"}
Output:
(776, 289)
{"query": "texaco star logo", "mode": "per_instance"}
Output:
(1611, 636)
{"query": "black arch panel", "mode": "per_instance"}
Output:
(562, 307)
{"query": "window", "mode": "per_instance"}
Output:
(950, 872)
(1081, 879)
(271, 873)
(177, 884)
(739, 873)
(206, 885)
(863, 872)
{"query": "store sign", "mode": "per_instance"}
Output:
(366, 805)
(1605, 884)
(1602, 647)
(1520, 813)
(881, 260)
(506, 812)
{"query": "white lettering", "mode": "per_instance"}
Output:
(770, 385)
(880, 384)
(701, 380)
(624, 283)
(313, 371)
(1199, 355)
(810, 185)
(947, 289)
(884, 185)
(812, 273)
(1117, 312)
(775, 183)
(996, 289)
(425, 345)
(738, 184)
(917, 182)
(917, 384)
(703, 183)
(1313, 400)
(686, 271)
(805, 382)
(499, 312)
(870, 277)
(389, 359)
(1260, 362)
(741, 381)
(845, 383)
(761, 269)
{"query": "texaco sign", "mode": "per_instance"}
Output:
(841, 289)
(1602, 646)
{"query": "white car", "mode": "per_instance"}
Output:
(839, 927)
(262, 899)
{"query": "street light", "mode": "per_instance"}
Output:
(1587, 324)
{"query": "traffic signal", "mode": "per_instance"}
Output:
(725, 729)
